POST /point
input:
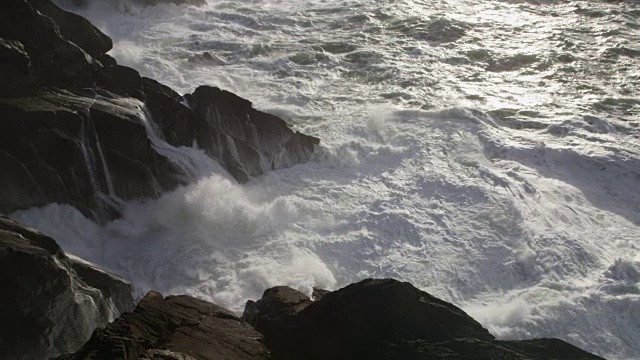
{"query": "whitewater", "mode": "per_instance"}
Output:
(486, 151)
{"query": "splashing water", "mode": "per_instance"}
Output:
(485, 151)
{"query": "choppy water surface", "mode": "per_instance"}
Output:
(486, 151)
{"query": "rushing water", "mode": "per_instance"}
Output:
(486, 151)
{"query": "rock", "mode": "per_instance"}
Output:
(47, 306)
(74, 131)
(246, 141)
(54, 59)
(121, 80)
(318, 293)
(384, 319)
(78, 149)
(16, 72)
(175, 327)
(275, 310)
(76, 29)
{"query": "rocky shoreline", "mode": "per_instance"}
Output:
(53, 303)
(80, 129)
(77, 128)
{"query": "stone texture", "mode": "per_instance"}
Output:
(247, 141)
(176, 327)
(47, 307)
(73, 130)
(77, 149)
(384, 319)
(55, 60)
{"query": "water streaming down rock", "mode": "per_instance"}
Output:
(513, 202)
(79, 133)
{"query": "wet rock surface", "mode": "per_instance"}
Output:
(77, 127)
(175, 327)
(384, 319)
(50, 303)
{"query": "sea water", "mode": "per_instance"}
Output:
(486, 151)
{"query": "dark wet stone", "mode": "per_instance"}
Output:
(48, 307)
(384, 319)
(175, 327)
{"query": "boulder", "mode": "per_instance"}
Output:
(384, 319)
(175, 327)
(50, 303)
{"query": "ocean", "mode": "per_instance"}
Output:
(486, 151)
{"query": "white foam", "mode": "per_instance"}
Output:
(520, 217)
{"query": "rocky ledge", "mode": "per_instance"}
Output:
(78, 128)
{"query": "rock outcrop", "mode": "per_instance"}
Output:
(384, 319)
(78, 128)
(372, 319)
(175, 327)
(50, 303)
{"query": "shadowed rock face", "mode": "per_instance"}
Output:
(176, 327)
(50, 303)
(73, 129)
(248, 142)
(384, 319)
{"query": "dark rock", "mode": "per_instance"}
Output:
(71, 148)
(73, 130)
(318, 293)
(47, 307)
(176, 327)
(177, 122)
(121, 80)
(15, 73)
(245, 139)
(76, 29)
(54, 59)
(275, 311)
(384, 319)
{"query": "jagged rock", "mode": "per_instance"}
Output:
(247, 141)
(384, 319)
(54, 59)
(76, 29)
(50, 304)
(73, 130)
(175, 327)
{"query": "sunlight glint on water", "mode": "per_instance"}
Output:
(486, 151)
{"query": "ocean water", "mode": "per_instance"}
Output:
(486, 151)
